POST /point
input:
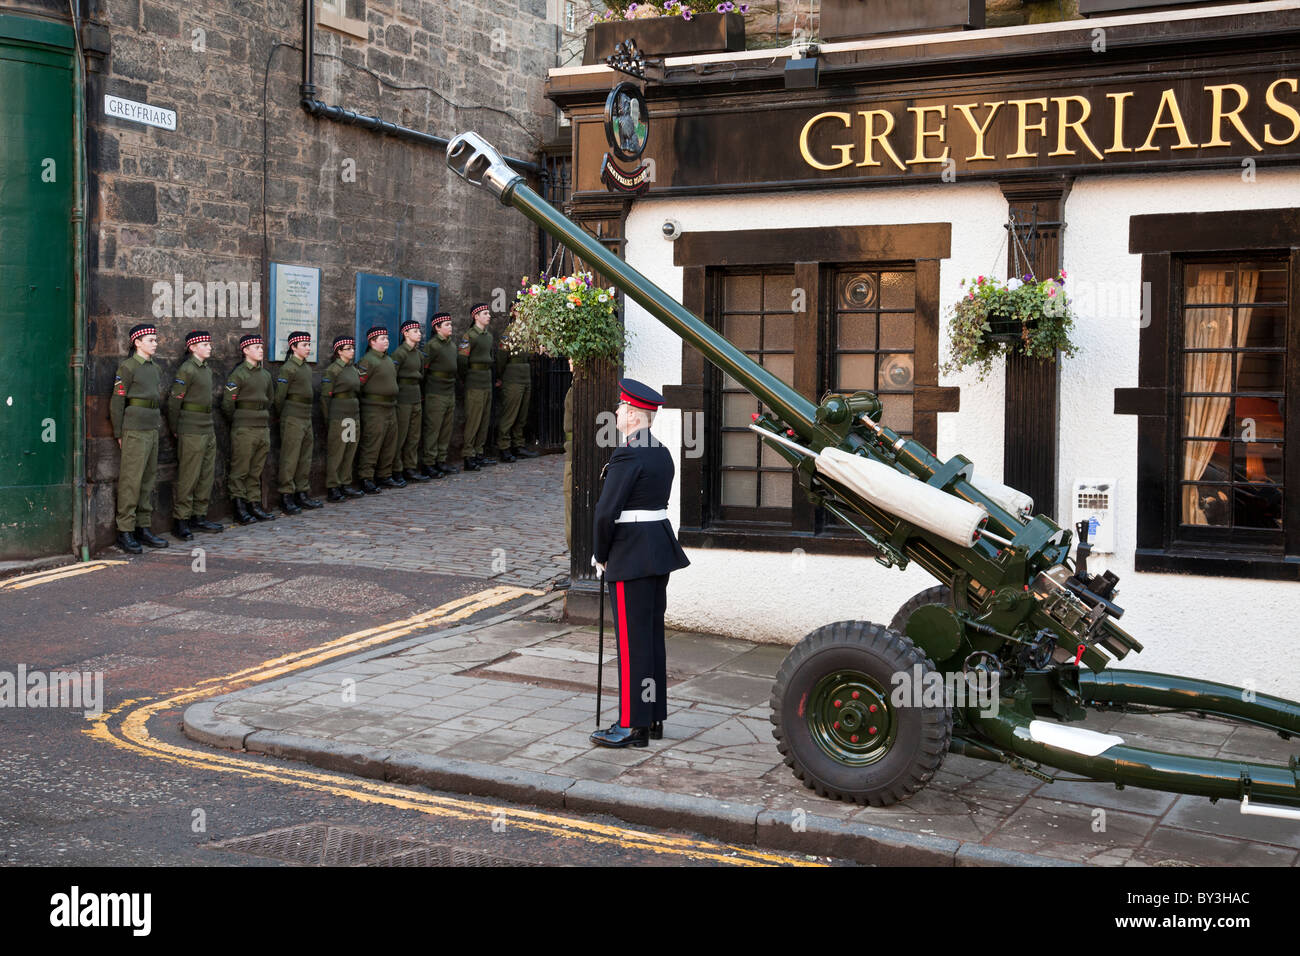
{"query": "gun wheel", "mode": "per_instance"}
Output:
(939, 594)
(835, 723)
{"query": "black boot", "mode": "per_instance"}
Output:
(307, 501)
(255, 509)
(657, 730)
(506, 455)
(447, 469)
(335, 494)
(398, 480)
(241, 511)
(181, 530)
(369, 487)
(471, 463)
(486, 460)
(431, 471)
(523, 452)
(352, 492)
(289, 505)
(126, 541)
(616, 736)
(147, 537)
(387, 482)
(412, 474)
(203, 524)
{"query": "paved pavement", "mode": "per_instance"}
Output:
(504, 709)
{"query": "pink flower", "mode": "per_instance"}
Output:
(1051, 292)
(980, 280)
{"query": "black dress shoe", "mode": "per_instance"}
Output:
(411, 474)
(335, 494)
(203, 524)
(126, 541)
(522, 452)
(352, 492)
(506, 455)
(369, 487)
(657, 730)
(486, 460)
(147, 537)
(181, 530)
(387, 482)
(289, 505)
(432, 471)
(257, 511)
(398, 479)
(447, 469)
(307, 501)
(241, 511)
(616, 736)
(471, 464)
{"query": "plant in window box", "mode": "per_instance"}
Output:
(1022, 316)
(668, 28)
(569, 316)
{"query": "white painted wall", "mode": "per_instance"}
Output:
(1231, 629)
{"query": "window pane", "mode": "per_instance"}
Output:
(1209, 283)
(1207, 372)
(742, 293)
(740, 489)
(1207, 328)
(896, 412)
(782, 366)
(1207, 460)
(1272, 283)
(738, 408)
(1261, 372)
(742, 330)
(1261, 461)
(896, 372)
(856, 332)
(897, 331)
(1265, 327)
(776, 490)
(1207, 505)
(855, 372)
(778, 293)
(1254, 419)
(740, 448)
(857, 290)
(778, 331)
(897, 290)
(770, 457)
(1206, 417)
(1258, 506)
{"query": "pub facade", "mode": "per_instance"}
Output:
(824, 206)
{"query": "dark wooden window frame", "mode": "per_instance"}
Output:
(1166, 242)
(813, 254)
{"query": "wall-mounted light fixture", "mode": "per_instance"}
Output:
(803, 68)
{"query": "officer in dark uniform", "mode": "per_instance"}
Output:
(134, 411)
(635, 550)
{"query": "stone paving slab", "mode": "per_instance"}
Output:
(441, 709)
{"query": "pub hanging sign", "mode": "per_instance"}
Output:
(627, 131)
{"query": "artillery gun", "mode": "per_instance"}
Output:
(853, 707)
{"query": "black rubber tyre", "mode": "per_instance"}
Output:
(939, 594)
(861, 654)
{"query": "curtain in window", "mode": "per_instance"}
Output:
(1210, 371)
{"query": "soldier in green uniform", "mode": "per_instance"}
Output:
(245, 402)
(515, 375)
(293, 401)
(439, 397)
(476, 358)
(340, 406)
(189, 409)
(378, 413)
(411, 362)
(134, 411)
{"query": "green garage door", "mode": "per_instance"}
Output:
(36, 287)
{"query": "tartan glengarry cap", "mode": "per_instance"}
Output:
(197, 337)
(144, 328)
(344, 342)
(480, 307)
(638, 394)
(374, 331)
(410, 324)
(439, 318)
(296, 337)
(252, 338)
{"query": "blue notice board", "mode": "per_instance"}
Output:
(388, 301)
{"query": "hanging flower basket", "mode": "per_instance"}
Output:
(668, 29)
(1021, 316)
(567, 316)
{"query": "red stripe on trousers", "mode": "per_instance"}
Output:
(624, 702)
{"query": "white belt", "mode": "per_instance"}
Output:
(629, 516)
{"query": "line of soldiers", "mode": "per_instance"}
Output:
(390, 416)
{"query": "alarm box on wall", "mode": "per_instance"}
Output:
(1093, 501)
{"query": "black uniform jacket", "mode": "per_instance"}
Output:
(638, 478)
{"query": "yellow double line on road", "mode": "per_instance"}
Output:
(127, 727)
(57, 574)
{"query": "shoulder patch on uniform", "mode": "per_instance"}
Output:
(283, 381)
(179, 381)
(232, 386)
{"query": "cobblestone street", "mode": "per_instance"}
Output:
(504, 523)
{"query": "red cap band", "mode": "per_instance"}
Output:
(638, 402)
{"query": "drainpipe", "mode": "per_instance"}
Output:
(80, 511)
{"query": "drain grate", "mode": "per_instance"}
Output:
(325, 844)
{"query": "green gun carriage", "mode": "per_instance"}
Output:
(1028, 630)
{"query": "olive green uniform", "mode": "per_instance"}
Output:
(246, 402)
(189, 409)
(568, 469)
(410, 363)
(439, 398)
(378, 415)
(293, 399)
(478, 390)
(134, 412)
(516, 374)
(340, 406)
